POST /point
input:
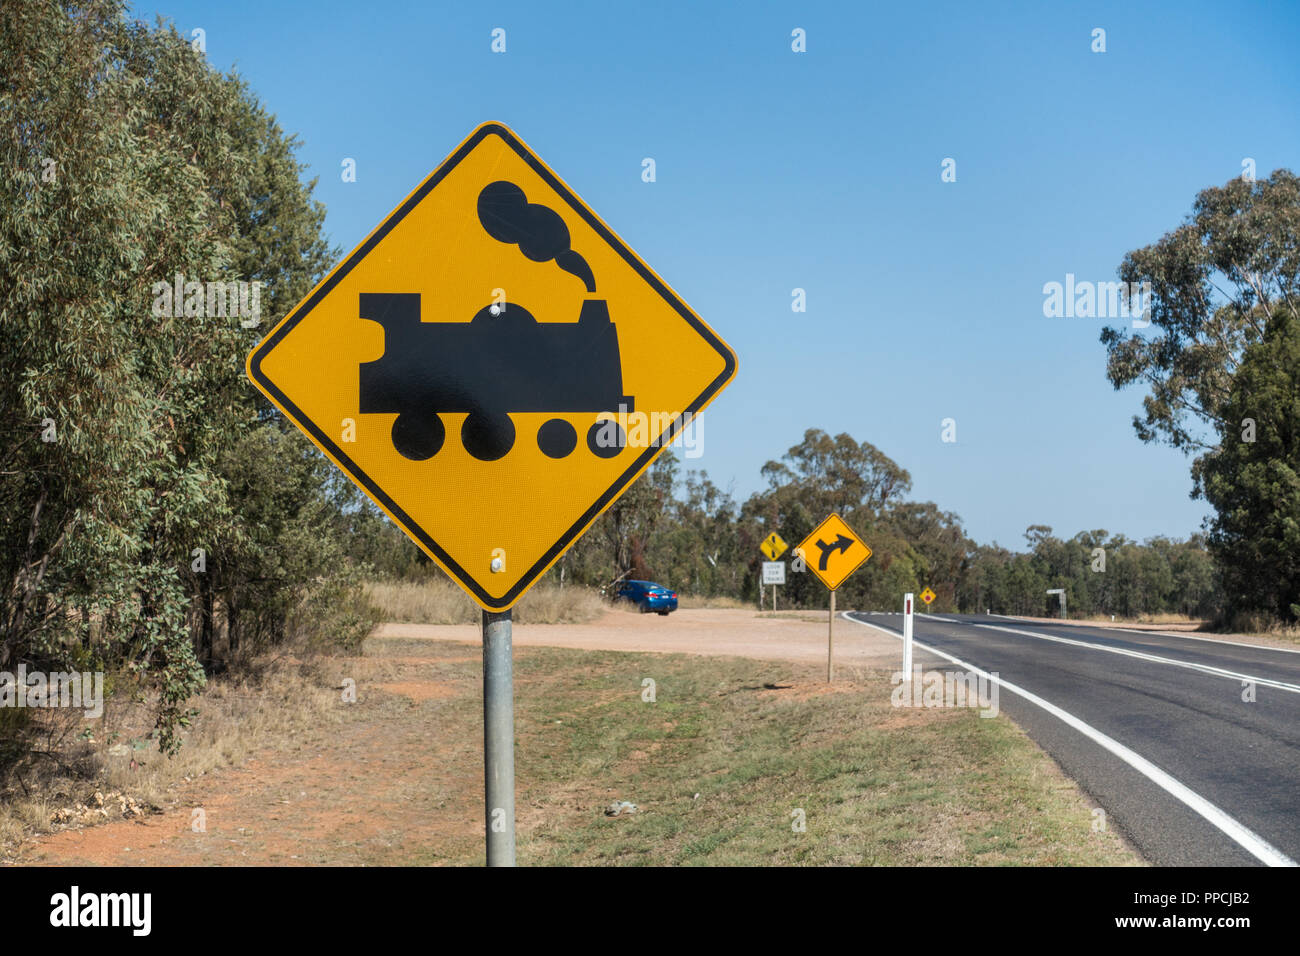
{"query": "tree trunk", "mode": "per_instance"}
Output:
(205, 628)
(232, 626)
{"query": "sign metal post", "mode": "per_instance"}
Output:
(830, 639)
(773, 574)
(499, 737)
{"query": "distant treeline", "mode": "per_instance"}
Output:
(681, 530)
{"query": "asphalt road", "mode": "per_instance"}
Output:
(1210, 779)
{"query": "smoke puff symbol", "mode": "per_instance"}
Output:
(537, 230)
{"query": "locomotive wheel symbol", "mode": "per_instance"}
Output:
(488, 435)
(598, 439)
(418, 437)
(557, 438)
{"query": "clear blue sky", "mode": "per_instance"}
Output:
(821, 170)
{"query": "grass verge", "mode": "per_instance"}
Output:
(728, 756)
(719, 764)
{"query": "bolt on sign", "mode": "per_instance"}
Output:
(493, 366)
(773, 546)
(833, 551)
(928, 596)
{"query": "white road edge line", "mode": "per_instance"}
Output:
(1210, 640)
(1243, 836)
(1178, 634)
(1154, 658)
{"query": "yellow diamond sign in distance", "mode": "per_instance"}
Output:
(493, 366)
(928, 596)
(833, 551)
(773, 546)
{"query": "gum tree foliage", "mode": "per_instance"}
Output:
(125, 159)
(1255, 486)
(699, 547)
(1221, 349)
(615, 546)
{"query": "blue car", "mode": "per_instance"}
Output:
(648, 596)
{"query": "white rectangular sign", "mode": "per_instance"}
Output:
(773, 572)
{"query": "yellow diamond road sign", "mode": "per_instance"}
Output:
(833, 551)
(928, 596)
(773, 546)
(493, 366)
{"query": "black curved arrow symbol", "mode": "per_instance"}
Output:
(841, 544)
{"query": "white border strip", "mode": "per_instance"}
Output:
(1244, 837)
(1156, 659)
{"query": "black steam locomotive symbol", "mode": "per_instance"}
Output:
(501, 361)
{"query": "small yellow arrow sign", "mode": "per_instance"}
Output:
(773, 546)
(834, 551)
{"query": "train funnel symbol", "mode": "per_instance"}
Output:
(492, 366)
(502, 360)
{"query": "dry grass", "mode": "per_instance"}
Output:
(548, 604)
(438, 601)
(1257, 625)
(1242, 625)
(435, 601)
(719, 601)
(1166, 619)
(271, 702)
